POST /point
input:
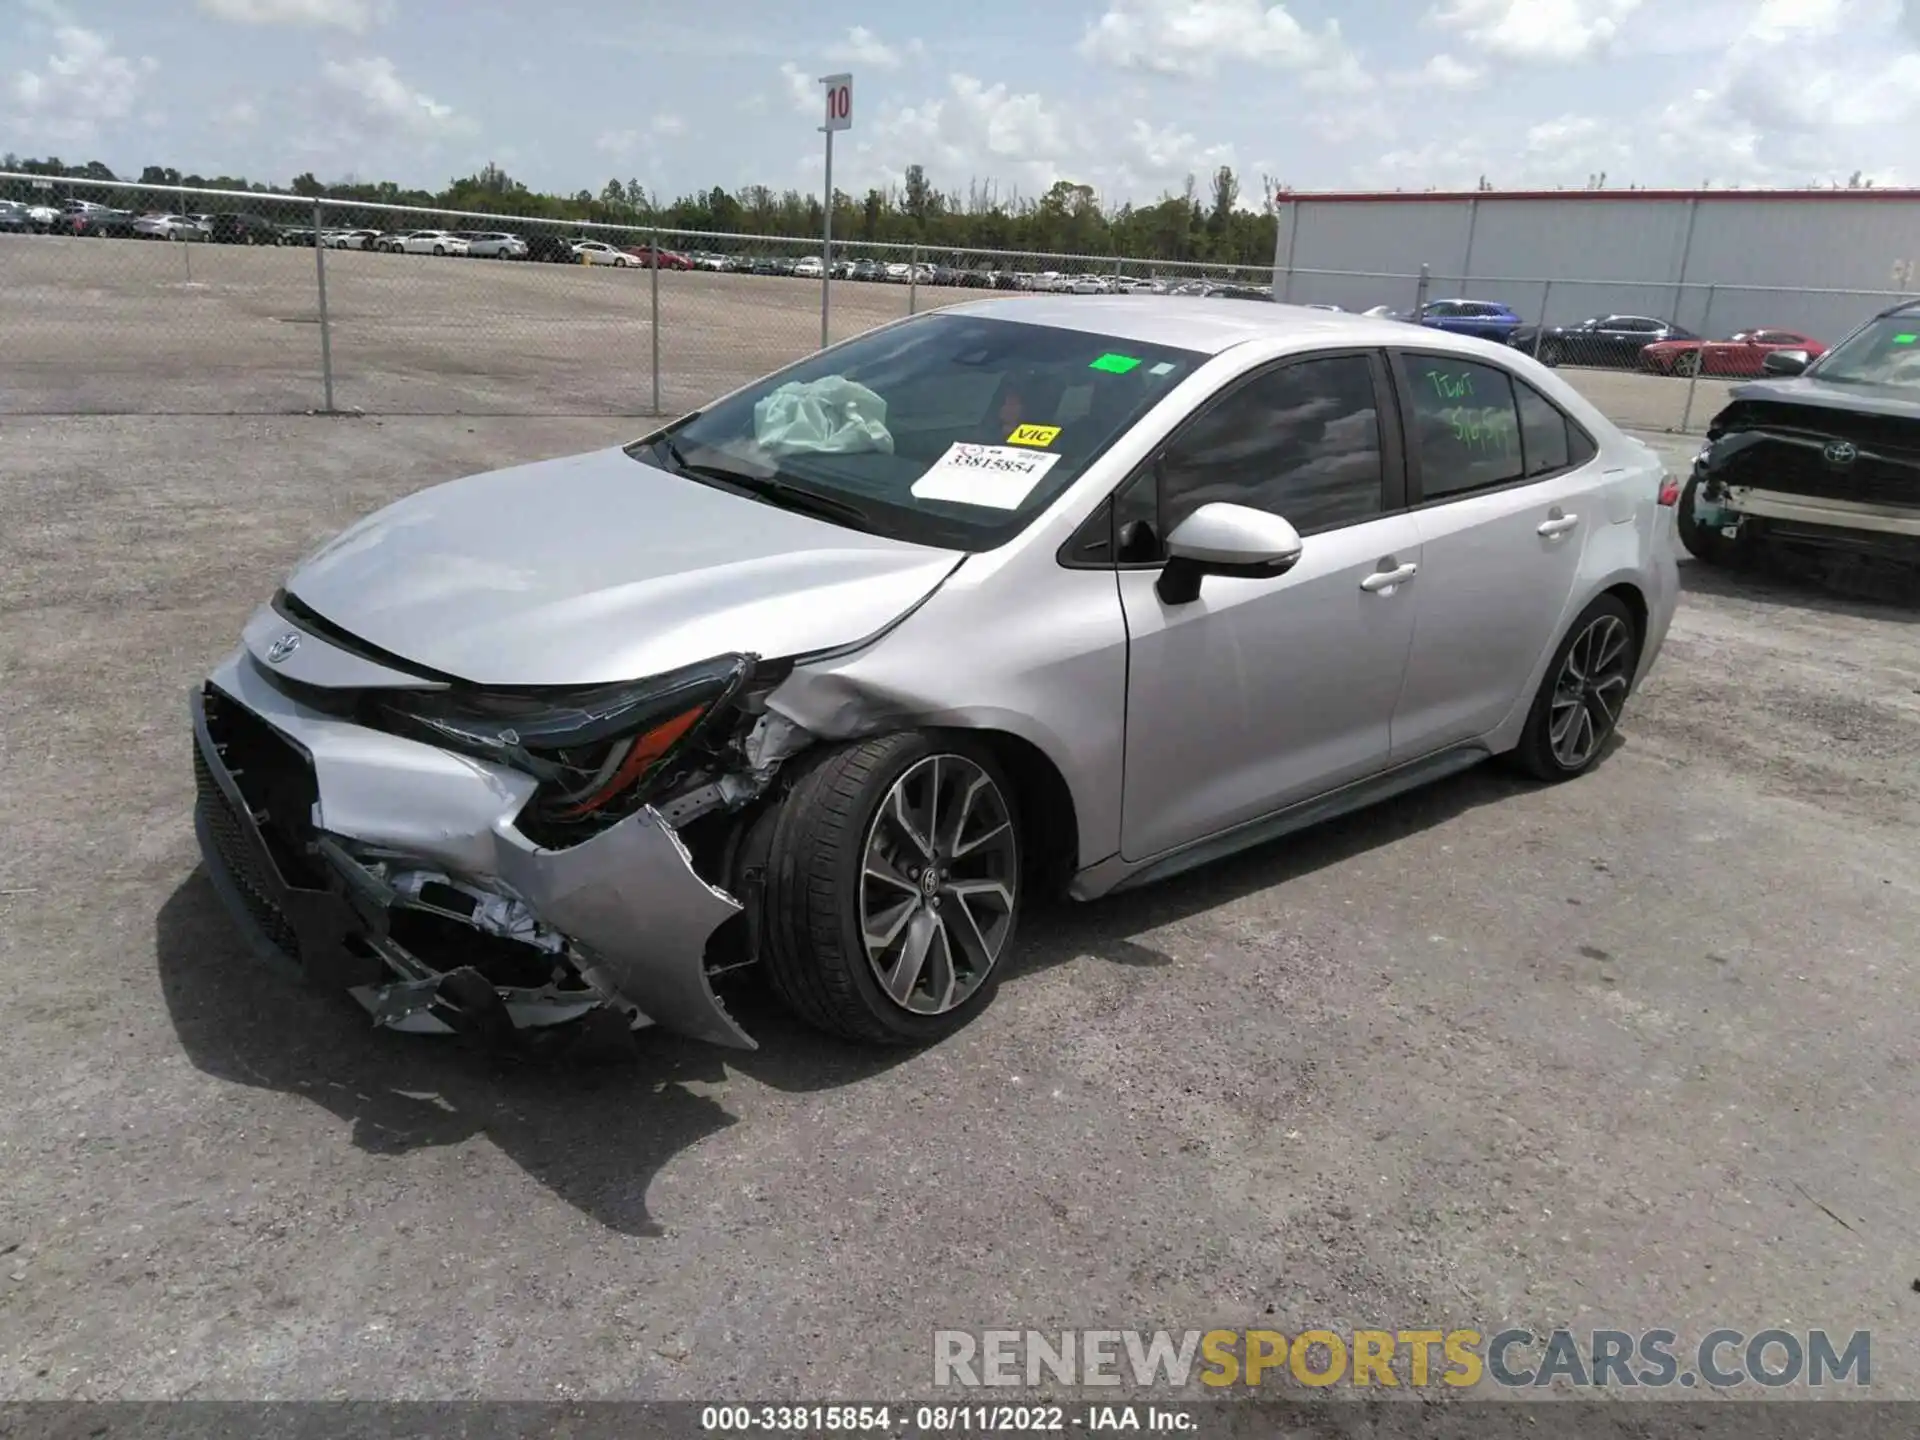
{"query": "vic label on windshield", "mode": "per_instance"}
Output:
(998, 477)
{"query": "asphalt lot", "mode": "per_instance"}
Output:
(1634, 1051)
(132, 327)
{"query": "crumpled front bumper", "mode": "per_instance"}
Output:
(637, 915)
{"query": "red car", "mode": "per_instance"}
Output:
(1740, 354)
(668, 259)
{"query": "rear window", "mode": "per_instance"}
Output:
(950, 430)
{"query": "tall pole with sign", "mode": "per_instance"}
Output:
(839, 117)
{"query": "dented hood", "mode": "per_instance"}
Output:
(599, 568)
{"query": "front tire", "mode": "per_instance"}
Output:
(1687, 364)
(1582, 694)
(893, 888)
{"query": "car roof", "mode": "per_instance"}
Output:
(1207, 326)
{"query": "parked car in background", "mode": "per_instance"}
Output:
(494, 245)
(1743, 353)
(236, 228)
(97, 221)
(1599, 340)
(432, 242)
(550, 249)
(1484, 319)
(599, 252)
(1821, 463)
(41, 216)
(352, 239)
(298, 235)
(669, 259)
(808, 267)
(14, 218)
(170, 227)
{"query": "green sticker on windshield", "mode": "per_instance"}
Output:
(1115, 364)
(1903, 339)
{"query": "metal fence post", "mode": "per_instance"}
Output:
(1420, 291)
(654, 241)
(1693, 380)
(326, 328)
(1540, 325)
(913, 280)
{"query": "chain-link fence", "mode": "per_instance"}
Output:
(225, 302)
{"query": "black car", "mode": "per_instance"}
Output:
(550, 248)
(95, 221)
(869, 269)
(1822, 463)
(1600, 340)
(239, 229)
(13, 218)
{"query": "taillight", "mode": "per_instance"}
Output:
(1669, 490)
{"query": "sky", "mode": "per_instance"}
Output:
(1128, 96)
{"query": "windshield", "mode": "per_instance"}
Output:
(1885, 352)
(949, 430)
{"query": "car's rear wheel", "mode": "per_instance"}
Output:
(1551, 354)
(893, 888)
(1578, 705)
(1687, 363)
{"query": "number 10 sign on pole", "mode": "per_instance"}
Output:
(839, 117)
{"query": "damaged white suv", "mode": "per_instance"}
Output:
(827, 677)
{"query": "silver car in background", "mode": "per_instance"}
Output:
(832, 676)
(494, 245)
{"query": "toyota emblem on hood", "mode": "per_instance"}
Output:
(283, 647)
(1840, 452)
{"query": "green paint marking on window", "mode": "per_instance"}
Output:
(1904, 339)
(1114, 364)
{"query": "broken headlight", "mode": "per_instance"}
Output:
(596, 751)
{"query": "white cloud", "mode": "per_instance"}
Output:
(384, 103)
(668, 125)
(1538, 30)
(624, 144)
(863, 47)
(1782, 20)
(803, 90)
(1193, 37)
(354, 15)
(1443, 72)
(82, 84)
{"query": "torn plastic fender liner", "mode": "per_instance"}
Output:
(629, 896)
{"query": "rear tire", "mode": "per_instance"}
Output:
(1577, 708)
(858, 941)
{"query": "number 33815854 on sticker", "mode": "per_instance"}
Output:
(996, 477)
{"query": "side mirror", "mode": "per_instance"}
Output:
(1221, 539)
(1785, 362)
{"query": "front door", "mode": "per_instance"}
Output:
(1260, 693)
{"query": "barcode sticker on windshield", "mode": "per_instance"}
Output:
(997, 477)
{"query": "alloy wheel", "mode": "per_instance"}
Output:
(939, 883)
(1688, 363)
(1589, 692)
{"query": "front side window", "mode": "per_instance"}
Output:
(1301, 441)
(949, 430)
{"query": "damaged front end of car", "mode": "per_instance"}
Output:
(491, 862)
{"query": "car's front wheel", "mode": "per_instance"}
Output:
(892, 888)
(1578, 705)
(1687, 363)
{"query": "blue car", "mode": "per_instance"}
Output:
(1486, 319)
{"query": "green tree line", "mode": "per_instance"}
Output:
(1195, 225)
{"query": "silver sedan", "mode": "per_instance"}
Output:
(827, 679)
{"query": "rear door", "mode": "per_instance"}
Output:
(1506, 490)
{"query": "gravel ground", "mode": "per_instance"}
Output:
(1633, 1051)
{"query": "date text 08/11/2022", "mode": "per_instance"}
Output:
(939, 1419)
